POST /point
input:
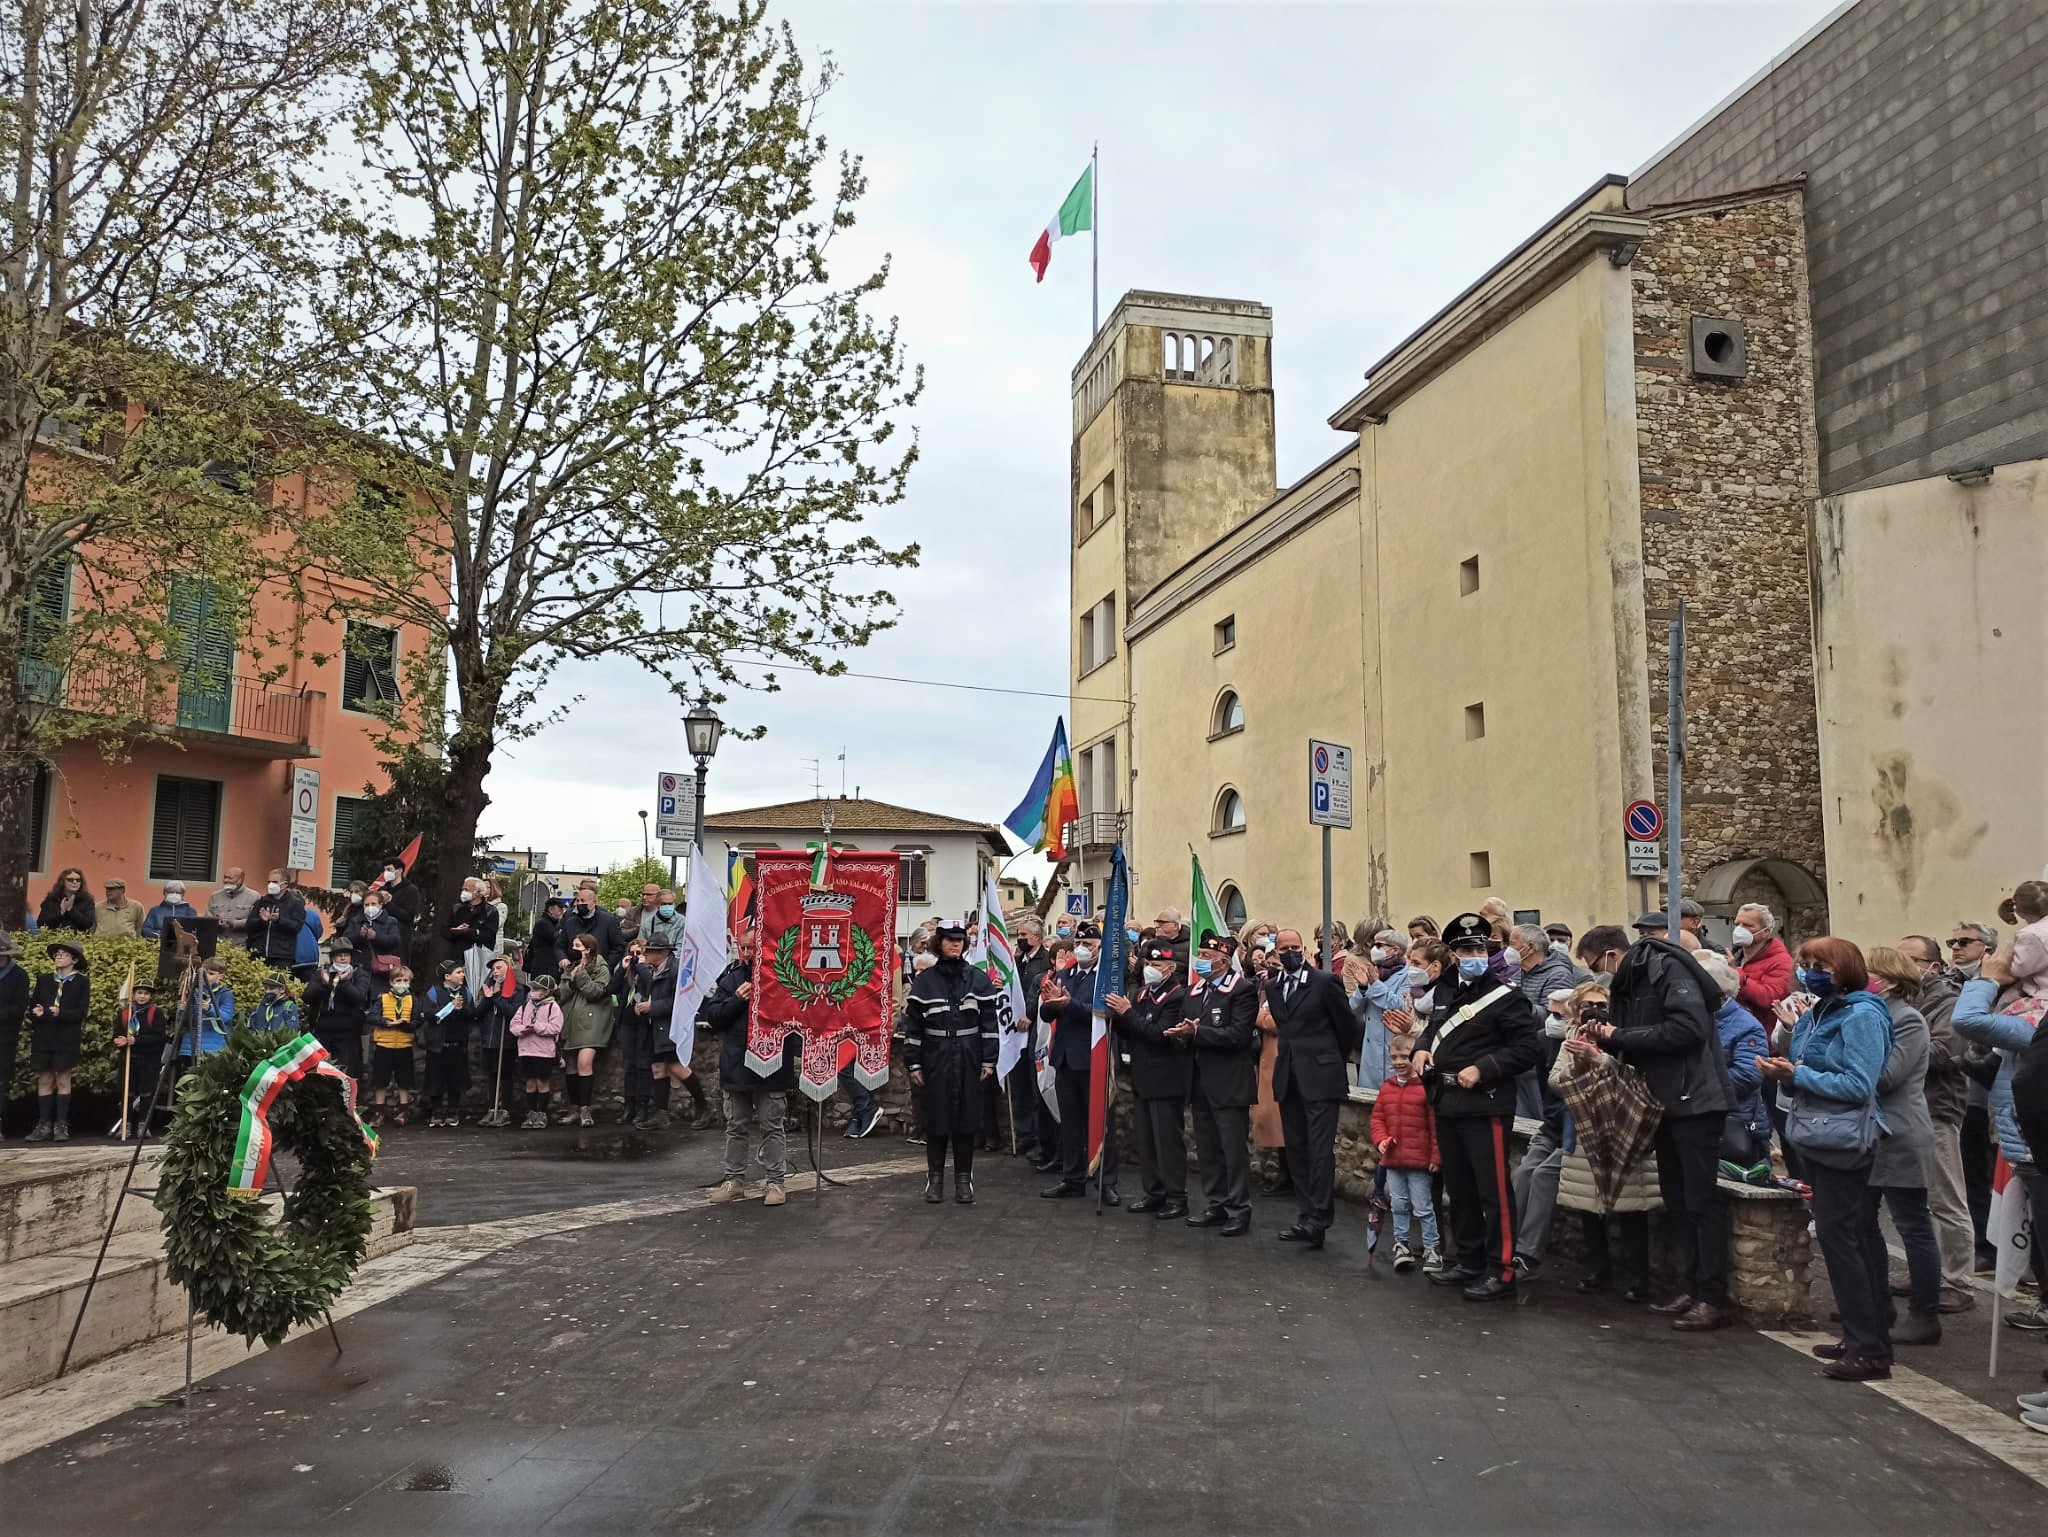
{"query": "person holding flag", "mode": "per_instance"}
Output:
(1161, 1072)
(681, 979)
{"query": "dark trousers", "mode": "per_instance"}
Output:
(1162, 1150)
(1923, 1251)
(344, 1049)
(1688, 1177)
(1474, 1152)
(636, 1057)
(1852, 1246)
(447, 1076)
(1072, 1084)
(860, 1099)
(1026, 1102)
(1310, 1129)
(1979, 1154)
(963, 1155)
(1223, 1144)
(10, 1046)
(1618, 1247)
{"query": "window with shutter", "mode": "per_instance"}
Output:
(913, 883)
(369, 666)
(184, 833)
(42, 621)
(349, 813)
(206, 653)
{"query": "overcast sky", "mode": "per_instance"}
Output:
(1351, 165)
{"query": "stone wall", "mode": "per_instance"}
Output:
(1728, 475)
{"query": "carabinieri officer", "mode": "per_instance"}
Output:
(951, 1033)
(1481, 1034)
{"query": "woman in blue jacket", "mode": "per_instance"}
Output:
(1992, 1011)
(1841, 1035)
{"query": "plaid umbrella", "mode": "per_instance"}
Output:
(1615, 1117)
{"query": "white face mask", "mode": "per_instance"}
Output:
(1270, 942)
(272, 889)
(391, 877)
(371, 909)
(1154, 976)
(1083, 954)
(1743, 935)
(1418, 978)
(1554, 1026)
(1381, 955)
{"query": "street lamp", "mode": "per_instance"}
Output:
(701, 730)
(646, 853)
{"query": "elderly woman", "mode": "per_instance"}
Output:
(68, 906)
(1904, 1164)
(1377, 982)
(1841, 1037)
(1762, 960)
(1617, 1237)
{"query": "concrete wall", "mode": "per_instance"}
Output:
(1728, 474)
(1521, 453)
(1919, 125)
(1933, 673)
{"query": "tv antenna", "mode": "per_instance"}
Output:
(817, 781)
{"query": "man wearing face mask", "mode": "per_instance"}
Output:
(275, 919)
(1069, 1002)
(1762, 962)
(402, 906)
(1219, 1026)
(1160, 1068)
(587, 917)
(229, 906)
(1481, 1034)
(472, 930)
(1314, 1032)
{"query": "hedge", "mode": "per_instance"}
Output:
(106, 964)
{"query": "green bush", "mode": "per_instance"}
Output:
(106, 965)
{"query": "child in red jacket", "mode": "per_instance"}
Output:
(1404, 1132)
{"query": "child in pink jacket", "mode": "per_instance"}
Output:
(536, 1025)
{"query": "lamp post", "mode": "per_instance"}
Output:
(646, 852)
(701, 730)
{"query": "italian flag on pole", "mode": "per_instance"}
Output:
(1076, 214)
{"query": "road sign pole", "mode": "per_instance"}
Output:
(1329, 945)
(1675, 773)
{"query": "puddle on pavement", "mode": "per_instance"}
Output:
(429, 1479)
(629, 1148)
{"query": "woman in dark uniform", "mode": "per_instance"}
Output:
(950, 1036)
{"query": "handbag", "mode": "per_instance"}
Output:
(1833, 1134)
(1741, 1145)
(384, 965)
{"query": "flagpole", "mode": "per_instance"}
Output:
(1094, 242)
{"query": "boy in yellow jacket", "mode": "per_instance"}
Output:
(391, 1039)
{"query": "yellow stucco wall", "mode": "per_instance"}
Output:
(1931, 614)
(1522, 453)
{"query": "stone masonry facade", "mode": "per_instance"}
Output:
(1728, 471)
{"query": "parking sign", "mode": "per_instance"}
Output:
(1329, 785)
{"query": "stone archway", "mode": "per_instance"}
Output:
(1785, 886)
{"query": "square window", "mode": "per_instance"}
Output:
(1482, 870)
(369, 666)
(1475, 722)
(913, 877)
(1468, 577)
(184, 831)
(1226, 632)
(350, 815)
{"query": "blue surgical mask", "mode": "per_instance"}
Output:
(1202, 967)
(1816, 981)
(1472, 967)
(1131, 935)
(667, 909)
(1064, 932)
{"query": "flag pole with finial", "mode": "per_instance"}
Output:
(1094, 241)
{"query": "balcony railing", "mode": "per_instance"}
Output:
(247, 713)
(1094, 830)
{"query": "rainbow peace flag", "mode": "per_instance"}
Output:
(739, 891)
(1052, 802)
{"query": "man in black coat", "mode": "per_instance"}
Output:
(1663, 1026)
(754, 1102)
(1037, 1132)
(274, 923)
(402, 902)
(544, 946)
(1219, 1023)
(1160, 1069)
(14, 990)
(1071, 1003)
(336, 1004)
(1481, 1033)
(587, 916)
(1315, 1031)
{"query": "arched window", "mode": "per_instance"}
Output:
(1228, 716)
(1233, 907)
(1229, 814)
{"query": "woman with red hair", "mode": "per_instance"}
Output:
(1841, 1036)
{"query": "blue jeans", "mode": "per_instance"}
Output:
(1408, 1189)
(862, 1098)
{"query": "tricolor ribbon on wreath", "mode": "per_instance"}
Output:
(821, 862)
(253, 1141)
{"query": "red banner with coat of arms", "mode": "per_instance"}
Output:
(826, 925)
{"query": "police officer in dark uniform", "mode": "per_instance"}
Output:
(1160, 1068)
(1219, 1022)
(1481, 1034)
(951, 1034)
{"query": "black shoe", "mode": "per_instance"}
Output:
(1111, 1198)
(1858, 1369)
(1671, 1309)
(1829, 1352)
(1062, 1192)
(1237, 1227)
(1277, 1188)
(1455, 1275)
(1171, 1209)
(1588, 1285)
(1917, 1329)
(1490, 1289)
(1636, 1294)
(963, 1189)
(1046, 1165)
(1213, 1217)
(934, 1188)
(1308, 1237)
(1146, 1203)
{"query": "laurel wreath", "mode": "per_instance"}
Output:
(804, 990)
(249, 1275)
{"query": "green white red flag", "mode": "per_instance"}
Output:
(1076, 214)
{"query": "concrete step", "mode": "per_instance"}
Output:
(134, 1300)
(54, 1198)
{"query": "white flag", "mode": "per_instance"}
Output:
(994, 954)
(700, 954)
(2011, 1228)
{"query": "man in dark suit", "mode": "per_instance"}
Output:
(1037, 1132)
(1315, 1029)
(1220, 1025)
(1071, 1006)
(1159, 1071)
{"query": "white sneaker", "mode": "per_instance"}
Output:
(731, 1190)
(2036, 1419)
(1432, 1262)
(1404, 1257)
(2035, 1401)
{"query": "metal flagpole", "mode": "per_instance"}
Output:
(1674, 773)
(1094, 242)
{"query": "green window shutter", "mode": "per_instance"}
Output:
(43, 620)
(205, 653)
(185, 830)
(369, 666)
(349, 814)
